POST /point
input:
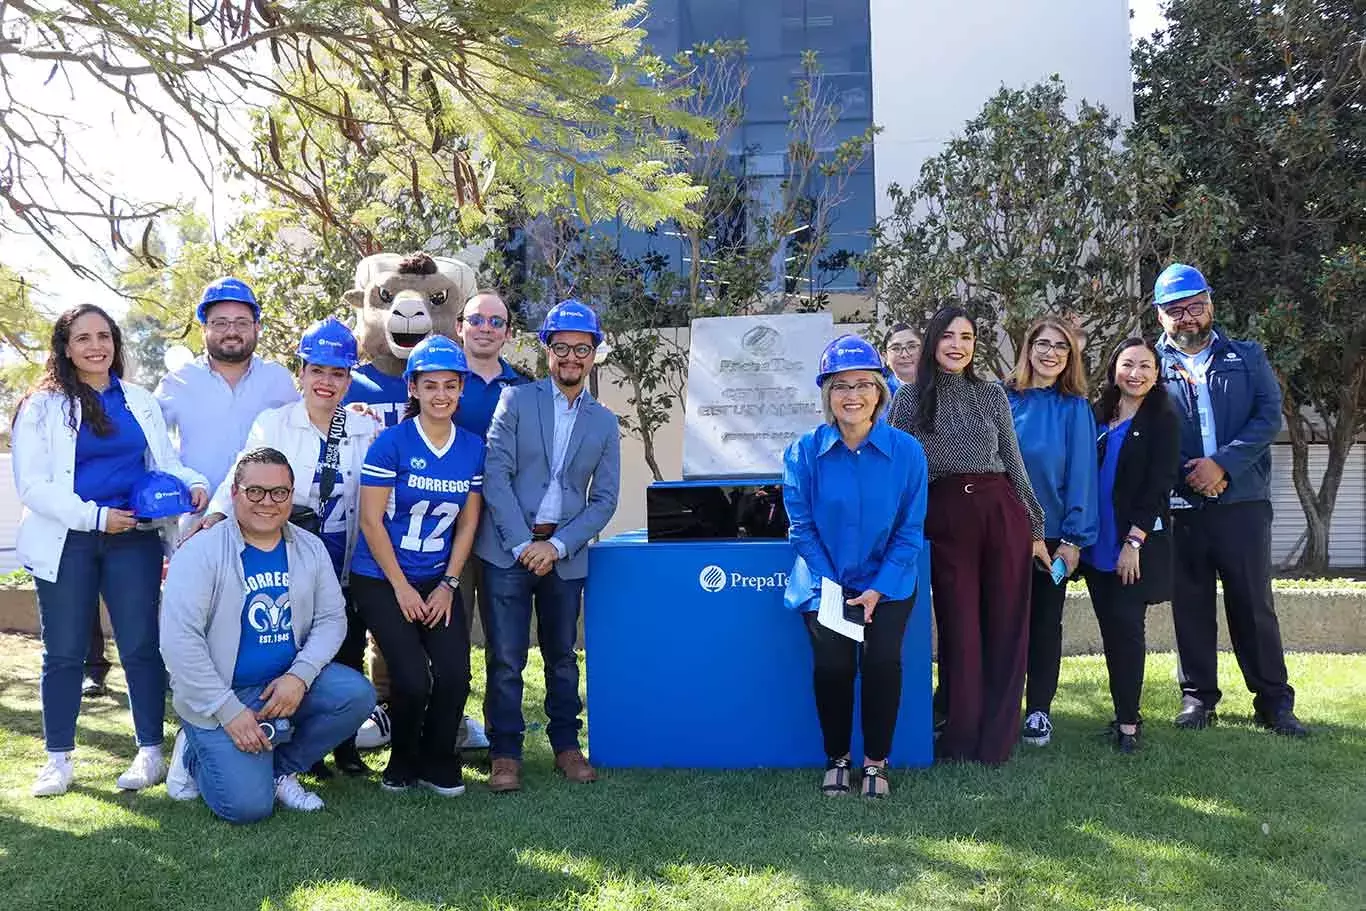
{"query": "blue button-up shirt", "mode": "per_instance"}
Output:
(1196, 367)
(212, 418)
(479, 398)
(857, 516)
(108, 467)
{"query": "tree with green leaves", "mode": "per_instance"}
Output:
(552, 102)
(1040, 209)
(1264, 103)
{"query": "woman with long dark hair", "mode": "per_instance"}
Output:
(1130, 565)
(983, 523)
(1057, 435)
(420, 496)
(83, 440)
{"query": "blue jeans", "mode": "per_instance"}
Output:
(240, 787)
(125, 569)
(505, 611)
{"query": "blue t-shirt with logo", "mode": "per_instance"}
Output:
(385, 395)
(430, 487)
(267, 648)
(332, 513)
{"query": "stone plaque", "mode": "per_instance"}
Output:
(751, 391)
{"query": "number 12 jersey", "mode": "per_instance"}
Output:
(429, 488)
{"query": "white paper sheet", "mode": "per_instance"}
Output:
(831, 612)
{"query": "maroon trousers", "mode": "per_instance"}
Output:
(980, 574)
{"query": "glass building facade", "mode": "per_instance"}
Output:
(776, 34)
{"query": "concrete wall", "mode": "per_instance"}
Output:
(935, 62)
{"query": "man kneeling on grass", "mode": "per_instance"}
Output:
(251, 618)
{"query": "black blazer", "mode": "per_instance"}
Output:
(1149, 468)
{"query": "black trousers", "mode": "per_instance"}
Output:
(838, 659)
(1122, 616)
(352, 650)
(1045, 639)
(429, 674)
(96, 664)
(1232, 543)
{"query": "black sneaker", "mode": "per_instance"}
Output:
(443, 777)
(1194, 716)
(1284, 723)
(397, 777)
(1126, 743)
(1038, 729)
(92, 688)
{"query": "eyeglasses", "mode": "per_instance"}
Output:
(862, 387)
(476, 320)
(256, 493)
(1196, 308)
(562, 349)
(1043, 346)
(241, 324)
(908, 348)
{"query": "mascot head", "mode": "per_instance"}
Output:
(400, 300)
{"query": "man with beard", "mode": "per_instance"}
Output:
(551, 476)
(1230, 407)
(213, 400)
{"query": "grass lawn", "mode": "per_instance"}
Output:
(1231, 818)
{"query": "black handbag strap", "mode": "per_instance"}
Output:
(332, 456)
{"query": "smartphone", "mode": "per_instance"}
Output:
(1057, 571)
(852, 612)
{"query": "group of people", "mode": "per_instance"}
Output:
(309, 523)
(1150, 492)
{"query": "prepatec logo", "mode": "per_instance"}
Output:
(712, 578)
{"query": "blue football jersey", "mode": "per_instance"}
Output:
(430, 487)
(385, 395)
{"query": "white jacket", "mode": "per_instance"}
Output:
(289, 430)
(44, 461)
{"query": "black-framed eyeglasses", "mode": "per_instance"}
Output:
(1043, 346)
(256, 493)
(564, 349)
(1195, 308)
(908, 348)
(220, 324)
(478, 319)
(861, 387)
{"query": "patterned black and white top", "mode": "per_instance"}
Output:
(973, 434)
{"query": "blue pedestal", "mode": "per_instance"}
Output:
(693, 662)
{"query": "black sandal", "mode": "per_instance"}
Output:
(841, 767)
(871, 773)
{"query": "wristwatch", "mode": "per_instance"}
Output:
(451, 582)
(1134, 543)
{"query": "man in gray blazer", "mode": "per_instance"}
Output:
(551, 475)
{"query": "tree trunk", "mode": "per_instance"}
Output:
(1317, 504)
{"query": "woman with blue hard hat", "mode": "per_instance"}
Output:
(855, 492)
(419, 508)
(83, 440)
(325, 443)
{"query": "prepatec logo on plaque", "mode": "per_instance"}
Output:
(712, 578)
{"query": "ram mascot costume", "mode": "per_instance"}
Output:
(399, 301)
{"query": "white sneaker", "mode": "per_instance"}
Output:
(148, 769)
(55, 777)
(295, 796)
(179, 782)
(1038, 729)
(374, 732)
(471, 736)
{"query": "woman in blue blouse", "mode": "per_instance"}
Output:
(855, 492)
(1053, 422)
(1130, 565)
(82, 440)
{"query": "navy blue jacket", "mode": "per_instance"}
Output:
(1247, 416)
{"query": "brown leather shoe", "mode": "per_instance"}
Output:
(506, 777)
(574, 767)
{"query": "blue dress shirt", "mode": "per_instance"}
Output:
(108, 467)
(1057, 435)
(857, 516)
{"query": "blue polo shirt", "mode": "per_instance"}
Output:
(107, 467)
(480, 398)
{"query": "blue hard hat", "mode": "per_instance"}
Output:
(328, 343)
(436, 352)
(570, 316)
(158, 495)
(849, 352)
(223, 290)
(1178, 282)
